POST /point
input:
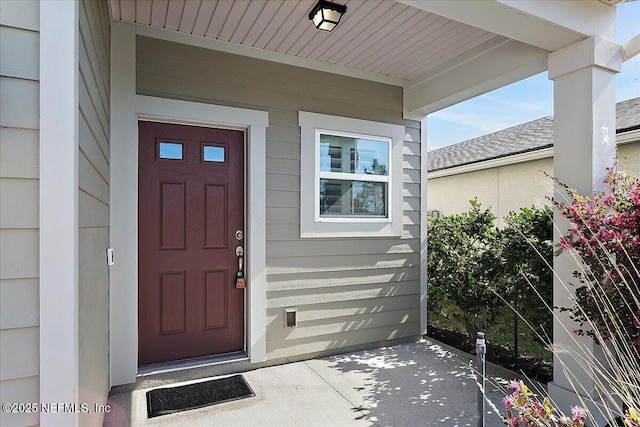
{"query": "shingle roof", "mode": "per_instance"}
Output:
(627, 115)
(530, 136)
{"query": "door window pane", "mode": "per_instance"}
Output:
(353, 198)
(170, 150)
(213, 154)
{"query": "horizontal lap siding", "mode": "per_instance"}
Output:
(19, 194)
(347, 291)
(93, 207)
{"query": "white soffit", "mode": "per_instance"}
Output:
(383, 38)
(612, 2)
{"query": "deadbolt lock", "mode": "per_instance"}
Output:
(239, 235)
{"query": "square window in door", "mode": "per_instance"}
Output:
(213, 153)
(170, 150)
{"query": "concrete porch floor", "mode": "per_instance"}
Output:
(418, 384)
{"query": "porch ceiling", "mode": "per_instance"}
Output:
(384, 39)
(440, 52)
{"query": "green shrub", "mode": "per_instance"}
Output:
(527, 251)
(473, 268)
(462, 265)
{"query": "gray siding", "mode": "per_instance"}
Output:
(19, 171)
(93, 207)
(348, 291)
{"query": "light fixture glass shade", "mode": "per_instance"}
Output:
(331, 15)
(318, 18)
(326, 15)
(327, 25)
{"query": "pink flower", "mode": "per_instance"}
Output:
(540, 411)
(514, 386)
(565, 243)
(578, 413)
(507, 402)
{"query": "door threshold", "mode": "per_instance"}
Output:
(196, 362)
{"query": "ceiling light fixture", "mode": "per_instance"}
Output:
(326, 15)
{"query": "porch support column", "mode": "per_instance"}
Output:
(59, 76)
(123, 276)
(424, 168)
(584, 146)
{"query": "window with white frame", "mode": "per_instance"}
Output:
(351, 177)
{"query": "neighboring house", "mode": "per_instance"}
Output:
(151, 151)
(510, 169)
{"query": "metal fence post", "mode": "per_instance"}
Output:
(516, 356)
(480, 357)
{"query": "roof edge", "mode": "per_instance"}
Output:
(497, 162)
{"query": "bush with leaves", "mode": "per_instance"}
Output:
(470, 260)
(605, 242)
(462, 266)
(606, 239)
(526, 244)
(523, 408)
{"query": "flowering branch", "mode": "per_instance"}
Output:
(524, 409)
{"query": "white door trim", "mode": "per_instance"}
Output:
(255, 123)
(127, 109)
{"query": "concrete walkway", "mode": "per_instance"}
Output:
(420, 384)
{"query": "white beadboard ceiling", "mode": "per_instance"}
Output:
(382, 37)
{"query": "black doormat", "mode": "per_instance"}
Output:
(163, 401)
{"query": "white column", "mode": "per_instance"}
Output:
(424, 166)
(123, 278)
(59, 36)
(584, 146)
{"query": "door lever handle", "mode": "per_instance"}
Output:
(240, 281)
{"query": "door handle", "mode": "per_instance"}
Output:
(240, 280)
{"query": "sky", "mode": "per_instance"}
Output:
(527, 100)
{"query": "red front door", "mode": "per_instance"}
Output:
(190, 221)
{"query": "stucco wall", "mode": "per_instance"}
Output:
(503, 189)
(19, 172)
(348, 291)
(507, 188)
(93, 208)
(451, 194)
(629, 157)
(524, 184)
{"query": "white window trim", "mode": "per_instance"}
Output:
(311, 224)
